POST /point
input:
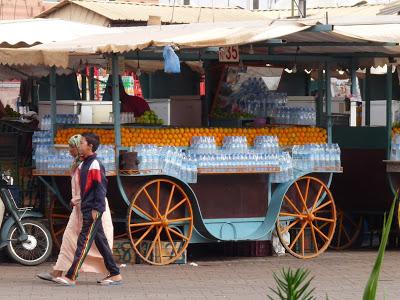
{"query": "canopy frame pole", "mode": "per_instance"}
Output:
(389, 96)
(367, 96)
(83, 84)
(91, 83)
(116, 100)
(53, 99)
(320, 99)
(353, 78)
(151, 84)
(328, 101)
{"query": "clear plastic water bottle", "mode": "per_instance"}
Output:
(337, 157)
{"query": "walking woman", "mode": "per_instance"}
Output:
(94, 262)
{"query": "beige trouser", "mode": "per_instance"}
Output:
(2, 208)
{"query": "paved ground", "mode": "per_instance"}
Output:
(340, 275)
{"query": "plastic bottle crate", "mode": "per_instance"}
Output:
(248, 249)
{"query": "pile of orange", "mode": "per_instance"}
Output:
(181, 136)
(63, 135)
(396, 130)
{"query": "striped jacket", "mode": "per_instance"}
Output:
(93, 185)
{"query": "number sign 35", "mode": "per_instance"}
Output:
(229, 54)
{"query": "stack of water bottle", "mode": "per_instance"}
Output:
(202, 145)
(41, 138)
(45, 124)
(286, 169)
(395, 152)
(167, 160)
(295, 115)
(177, 163)
(235, 156)
(317, 157)
(270, 145)
(254, 98)
(41, 141)
(272, 101)
(267, 144)
(52, 161)
(235, 144)
(106, 154)
(127, 117)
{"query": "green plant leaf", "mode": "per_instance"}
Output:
(372, 284)
(293, 285)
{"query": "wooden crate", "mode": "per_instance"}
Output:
(166, 251)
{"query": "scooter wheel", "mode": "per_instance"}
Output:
(36, 249)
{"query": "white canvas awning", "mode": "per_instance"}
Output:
(26, 33)
(377, 34)
(138, 38)
(351, 36)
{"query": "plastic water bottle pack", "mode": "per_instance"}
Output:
(106, 154)
(286, 169)
(316, 157)
(395, 151)
(235, 144)
(202, 144)
(45, 123)
(267, 144)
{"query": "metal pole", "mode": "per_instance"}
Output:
(328, 101)
(150, 85)
(208, 97)
(389, 94)
(91, 83)
(320, 99)
(53, 99)
(367, 97)
(115, 99)
(353, 78)
(84, 86)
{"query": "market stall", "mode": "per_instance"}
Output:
(206, 184)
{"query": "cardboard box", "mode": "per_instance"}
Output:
(123, 252)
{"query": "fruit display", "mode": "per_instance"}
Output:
(10, 112)
(219, 114)
(63, 135)
(180, 137)
(396, 129)
(149, 117)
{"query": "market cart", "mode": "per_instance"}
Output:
(162, 214)
(233, 205)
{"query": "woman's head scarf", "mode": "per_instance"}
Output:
(75, 141)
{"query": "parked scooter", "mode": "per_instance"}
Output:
(27, 240)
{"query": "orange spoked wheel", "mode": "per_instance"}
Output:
(160, 222)
(58, 220)
(348, 228)
(307, 219)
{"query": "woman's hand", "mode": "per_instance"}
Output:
(94, 214)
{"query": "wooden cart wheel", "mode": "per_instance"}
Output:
(347, 230)
(58, 220)
(160, 215)
(307, 219)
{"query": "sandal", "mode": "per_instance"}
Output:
(64, 281)
(45, 276)
(108, 281)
